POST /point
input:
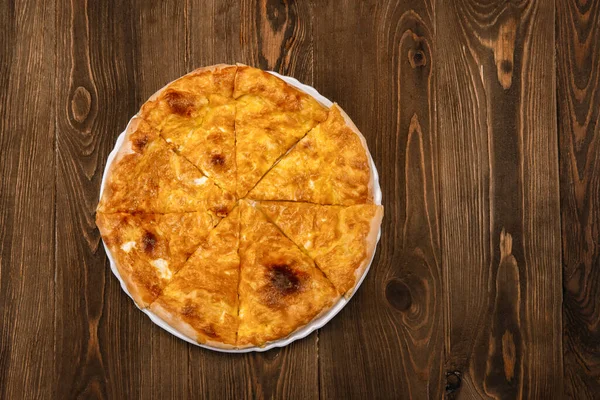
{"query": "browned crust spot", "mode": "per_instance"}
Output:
(221, 211)
(210, 332)
(180, 103)
(284, 279)
(148, 242)
(188, 310)
(217, 160)
(140, 142)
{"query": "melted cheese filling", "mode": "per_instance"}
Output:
(163, 268)
(200, 181)
(126, 247)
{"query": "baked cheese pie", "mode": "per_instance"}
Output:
(238, 208)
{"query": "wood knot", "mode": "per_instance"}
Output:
(503, 46)
(276, 13)
(417, 58)
(278, 34)
(398, 295)
(506, 66)
(81, 104)
(453, 381)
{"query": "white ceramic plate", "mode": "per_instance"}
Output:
(298, 334)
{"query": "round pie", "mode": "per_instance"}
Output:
(238, 208)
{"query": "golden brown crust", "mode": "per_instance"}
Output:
(341, 239)
(137, 135)
(197, 71)
(280, 289)
(203, 296)
(137, 292)
(195, 114)
(149, 249)
(181, 81)
(323, 312)
(363, 140)
(371, 245)
(330, 165)
(147, 176)
(173, 319)
(271, 117)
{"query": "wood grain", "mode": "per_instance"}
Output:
(101, 337)
(213, 32)
(27, 197)
(152, 50)
(393, 325)
(461, 103)
(578, 81)
(277, 36)
(499, 202)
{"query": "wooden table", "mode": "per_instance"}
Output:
(483, 119)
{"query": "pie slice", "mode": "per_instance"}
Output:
(150, 248)
(202, 301)
(341, 239)
(196, 115)
(328, 166)
(281, 289)
(271, 116)
(147, 176)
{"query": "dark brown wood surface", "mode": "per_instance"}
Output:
(578, 89)
(483, 118)
(500, 198)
